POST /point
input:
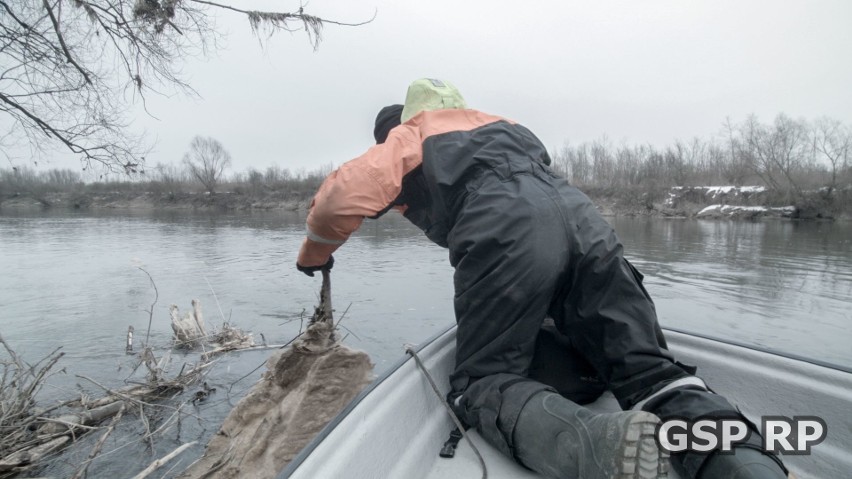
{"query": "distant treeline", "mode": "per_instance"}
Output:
(799, 161)
(160, 179)
(788, 156)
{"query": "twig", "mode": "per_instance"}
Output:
(221, 314)
(299, 16)
(183, 381)
(301, 317)
(233, 349)
(168, 473)
(344, 327)
(178, 421)
(349, 331)
(68, 57)
(292, 340)
(19, 385)
(282, 346)
(151, 311)
(120, 395)
(160, 462)
(343, 315)
(159, 430)
(38, 378)
(146, 438)
(245, 376)
(9, 350)
(42, 412)
(70, 425)
(81, 473)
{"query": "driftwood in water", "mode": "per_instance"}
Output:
(163, 460)
(305, 386)
(20, 460)
(70, 422)
(128, 348)
(227, 339)
(29, 434)
(189, 329)
(20, 382)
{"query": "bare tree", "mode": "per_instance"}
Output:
(757, 151)
(603, 165)
(675, 158)
(70, 69)
(737, 167)
(833, 142)
(790, 155)
(780, 154)
(581, 170)
(206, 161)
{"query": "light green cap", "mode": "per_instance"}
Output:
(427, 94)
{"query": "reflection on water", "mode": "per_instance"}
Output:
(779, 284)
(77, 279)
(72, 280)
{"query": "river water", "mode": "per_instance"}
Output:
(74, 280)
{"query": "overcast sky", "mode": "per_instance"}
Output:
(636, 71)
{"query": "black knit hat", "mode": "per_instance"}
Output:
(387, 119)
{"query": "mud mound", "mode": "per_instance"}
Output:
(303, 388)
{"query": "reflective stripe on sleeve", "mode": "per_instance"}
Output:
(319, 239)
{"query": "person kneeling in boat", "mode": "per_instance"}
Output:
(526, 245)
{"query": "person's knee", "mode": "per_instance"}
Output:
(492, 405)
(659, 376)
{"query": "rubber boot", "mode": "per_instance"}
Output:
(744, 463)
(558, 438)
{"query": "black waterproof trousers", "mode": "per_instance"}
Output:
(526, 245)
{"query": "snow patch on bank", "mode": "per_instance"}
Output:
(728, 210)
(714, 191)
(727, 201)
(721, 194)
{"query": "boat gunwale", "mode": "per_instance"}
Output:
(293, 465)
(763, 349)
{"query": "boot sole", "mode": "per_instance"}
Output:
(641, 457)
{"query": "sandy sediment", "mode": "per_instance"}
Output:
(304, 388)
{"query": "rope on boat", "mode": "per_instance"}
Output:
(453, 416)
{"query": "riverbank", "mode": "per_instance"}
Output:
(720, 202)
(709, 202)
(116, 200)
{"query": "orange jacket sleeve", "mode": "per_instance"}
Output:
(361, 187)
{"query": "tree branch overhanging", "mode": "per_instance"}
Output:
(68, 56)
(60, 84)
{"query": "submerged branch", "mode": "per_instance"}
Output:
(81, 473)
(163, 460)
(154, 303)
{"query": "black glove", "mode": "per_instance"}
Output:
(310, 270)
